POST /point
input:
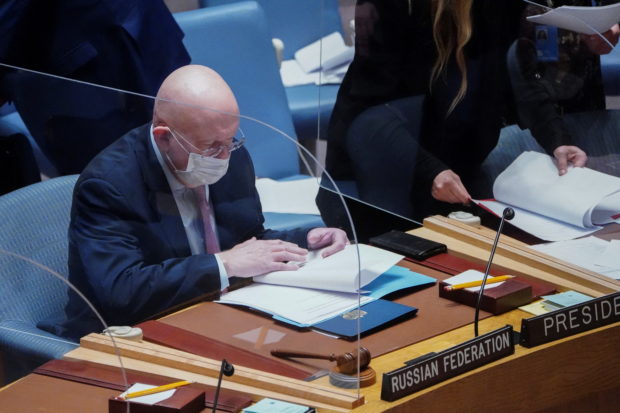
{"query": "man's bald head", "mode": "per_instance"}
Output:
(194, 95)
(195, 111)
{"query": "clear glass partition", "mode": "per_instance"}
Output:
(419, 126)
(441, 98)
(125, 223)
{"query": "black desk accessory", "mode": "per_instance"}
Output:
(508, 214)
(227, 370)
(409, 245)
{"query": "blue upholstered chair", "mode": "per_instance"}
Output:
(610, 68)
(234, 40)
(298, 23)
(34, 225)
(10, 123)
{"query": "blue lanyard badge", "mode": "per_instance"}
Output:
(546, 43)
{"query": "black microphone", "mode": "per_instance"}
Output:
(508, 214)
(227, 370)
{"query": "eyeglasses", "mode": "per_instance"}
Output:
(214, 151)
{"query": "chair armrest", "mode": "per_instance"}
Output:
(24, 338)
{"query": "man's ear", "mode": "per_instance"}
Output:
(161, 134)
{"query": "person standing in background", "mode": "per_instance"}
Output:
(130, 45)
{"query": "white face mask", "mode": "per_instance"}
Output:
(202, 170)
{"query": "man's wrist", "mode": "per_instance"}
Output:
(221, 265)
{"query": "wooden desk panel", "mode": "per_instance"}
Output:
(542, 378)
(436, 315)
(582, 370)
(576, 374)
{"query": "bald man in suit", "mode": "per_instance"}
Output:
(139, 242)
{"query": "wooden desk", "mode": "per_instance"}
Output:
(576, 374)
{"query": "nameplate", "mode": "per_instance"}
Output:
(447, 364)
(570, 320)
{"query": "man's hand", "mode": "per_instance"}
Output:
(566, 154)
(257, 257)
(597, 45)
(335, 238)
(447, 187)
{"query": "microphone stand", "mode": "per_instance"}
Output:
(508, 214)
(227, 370)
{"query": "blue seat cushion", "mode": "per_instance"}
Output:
(306, 102)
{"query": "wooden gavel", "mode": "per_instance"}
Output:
(346, 363)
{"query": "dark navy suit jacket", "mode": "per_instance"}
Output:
(128, 251)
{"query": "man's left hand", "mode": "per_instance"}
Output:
(566, 154)
(335, 238)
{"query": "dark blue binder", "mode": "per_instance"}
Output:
(374, 315)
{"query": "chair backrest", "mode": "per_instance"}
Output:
(296, 22)
(34, 224)
(234, 41)
(610, 69)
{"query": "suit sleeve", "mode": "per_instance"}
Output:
(132, 271)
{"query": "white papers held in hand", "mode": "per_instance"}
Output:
(320, 289)
(338, 272)
(586, 20)
(553, 207)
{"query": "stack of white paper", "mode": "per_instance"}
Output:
(338, 272)
(301, 305)
(320, 289)
(554, 207)
(322, 62)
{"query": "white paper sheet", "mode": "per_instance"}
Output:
(591, 253)
(289, 197)
(326, 53)
(301, 305)
(532, 182)
(149, 399)
(293, 75)
(540, 226)
(471, 275)
(338, 272)
(554, 207)
(611, 256)
(587, 20)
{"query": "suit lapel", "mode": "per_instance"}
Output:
(160, 195)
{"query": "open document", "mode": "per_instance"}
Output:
(587, 20)
(327, 287)
(338, 272)
(553, 207)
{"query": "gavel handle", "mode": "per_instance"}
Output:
(283, 353)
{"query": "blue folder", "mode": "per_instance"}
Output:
(374, 315)
(394, 279)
